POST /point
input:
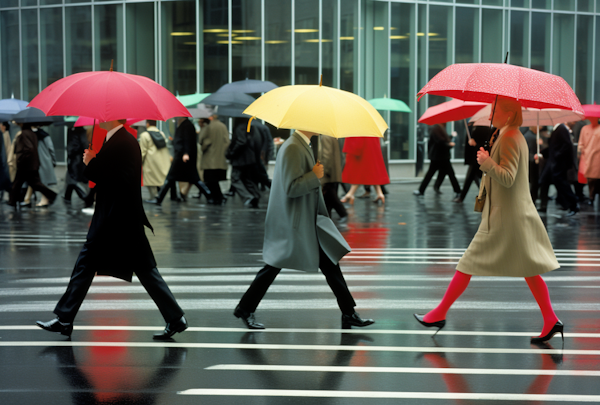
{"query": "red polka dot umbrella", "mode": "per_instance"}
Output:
(484, 81)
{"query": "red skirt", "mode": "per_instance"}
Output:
(364, 162)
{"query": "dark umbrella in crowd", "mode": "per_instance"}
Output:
(11, 106)
(32, 115)
(228, 98)
(247, 86)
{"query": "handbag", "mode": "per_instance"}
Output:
(480, 198)
(158, 139)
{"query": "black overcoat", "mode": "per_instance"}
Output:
(116, 242)
(76, 144)
(185, 142)
(241, 151)
(26, 150)
(439, 143)
(560, 151)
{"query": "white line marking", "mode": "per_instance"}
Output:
(403, 370)
(297, 330)
(257, 346)
(299, 304)
(391, 394)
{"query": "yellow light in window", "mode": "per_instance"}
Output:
(247, 38)
(215, 30)
(377, 28)
(274, 41)
(189, 43)
(398, 37)
(181, 34)
(346, 38)
(305, 30)
(243, 31)
(316, 40)
(233, 42)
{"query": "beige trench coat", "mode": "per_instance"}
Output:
(330, 155)
(155, 162)
(591, 155)
(511, 240)
(214, 140)
(11, 159)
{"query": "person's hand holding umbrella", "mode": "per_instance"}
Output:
(88, 155)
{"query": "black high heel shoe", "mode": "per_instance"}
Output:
(557, 328)
(438, 324)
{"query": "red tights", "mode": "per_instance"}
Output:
(459, 284)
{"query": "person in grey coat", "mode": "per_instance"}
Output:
(298, 232)
(47, 164)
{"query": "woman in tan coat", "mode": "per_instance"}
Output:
(511, 240)
(156, 159)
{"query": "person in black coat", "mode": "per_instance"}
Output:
(5, 184)
(116, 243)
(439, 156)
(264, 150)
(76, 145)
(560, 160)
(243, 154)
(534, 166)
(185, 155)
(477, 140)
(28, 164)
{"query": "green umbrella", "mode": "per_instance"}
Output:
(190, 100)
(389, 104)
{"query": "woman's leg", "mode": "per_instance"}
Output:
(539, 289)
(380, 195)
(350, 195)
(457, 286)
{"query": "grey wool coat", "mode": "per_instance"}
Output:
(292, 237)
(511, 240)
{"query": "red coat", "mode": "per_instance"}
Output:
(364, 162)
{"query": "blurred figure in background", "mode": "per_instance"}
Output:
(242, 156)
(156, 159)
(265, 153)
(364, 166)
(590, 156)
(76, 144)
(214, 140)
(534, 162)
(5, 145)
(47, 158)
(439, 155)
(330, 156)
(588, 135)
(478, 137)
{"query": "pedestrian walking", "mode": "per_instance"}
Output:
(5, 145)
(330, 156)
(116, 243)
(47, 156)
(589, 134)
(76, 144)
(183, 167)
(156, 159)
(590, 158)
(534, 166)
(364, 166)
(264, 149)
(243, 158)
(439, 146)
(511, 240)
(27, 165)
(298, 232)
(214, 141)
(479, 135)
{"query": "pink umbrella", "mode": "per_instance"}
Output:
(109, 96)
(453, 110)
(88, 122)
(591, 110)
(483, 82)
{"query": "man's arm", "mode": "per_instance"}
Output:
(296, 182)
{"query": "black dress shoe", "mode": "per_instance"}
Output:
(557, 328)
(25, 205)
(153, 201)
(171, 329)
(57, 326)
(438, 324)
(437, 190)
(247, 318)
(355, 320)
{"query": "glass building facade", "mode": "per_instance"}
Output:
(369, 47)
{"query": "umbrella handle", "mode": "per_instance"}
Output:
(249, 122)
(92, 139)
(467, 126)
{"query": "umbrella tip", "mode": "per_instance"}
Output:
(111, 64)
(321, 81)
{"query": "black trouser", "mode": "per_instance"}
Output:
(244, 179)
(212, 178)
(262, 177)
(78, 190)
(445, 168)
(594, 186)
(332, 200)
(171, 184)
(333, 275)
(32, 178)
(81, 279)
(473, 175)
(563, 189)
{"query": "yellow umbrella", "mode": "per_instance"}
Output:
(320, 109)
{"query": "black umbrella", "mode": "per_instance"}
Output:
(32, 115)
(228, 98)
(232, 110)
(247, 86)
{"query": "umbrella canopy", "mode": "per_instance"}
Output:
(248, 86)
(591, 110)
(320, 109)
(109, 96)
(389, 104)
(484, 81)
(232, 111)
(453, 110)
(11, 106)
(32, 115)
(88, 121)
(202, 111)
(191, 100)
(228, 98)
(531, 116)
